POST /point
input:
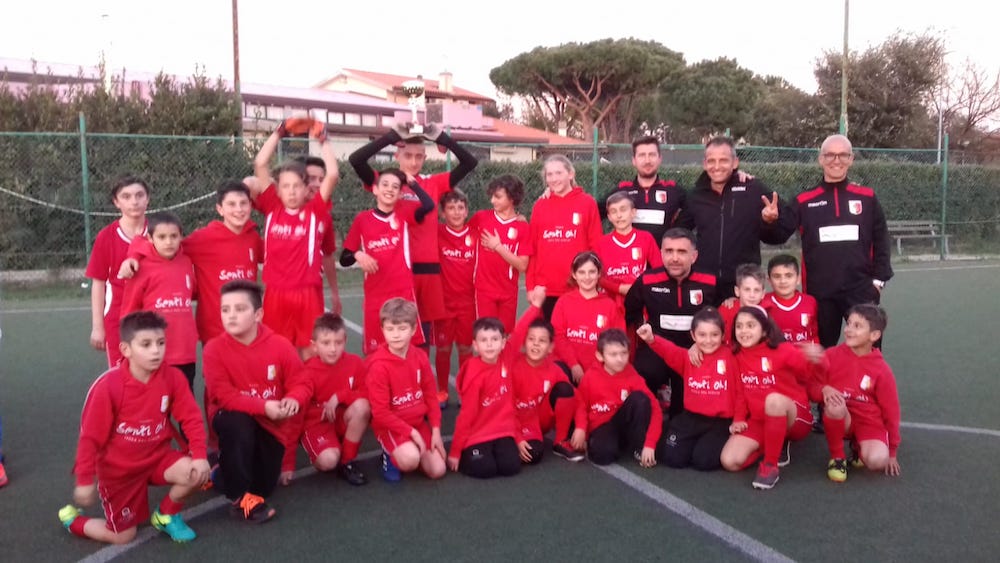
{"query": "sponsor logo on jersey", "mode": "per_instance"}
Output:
(739, 188)
(854, 206)
(866, 383)
(696, 297)
(819, 203)
(655, 289)
(661, 197)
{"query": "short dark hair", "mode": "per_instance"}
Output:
(455, 195)
(312, 161)
(647, 140)
(783, 260)
(327, 322)
(124, 181)
(399, 174)
(510, 184)
(749, 270)
(874, 314)
(679, 232)
(722, 141)
(618, 197)
(542, 323)
(229, 186)
(611, 336)
(487, 323)
(771, 333)
(154, 220)
(293, 166)
(140, 320)
(708, 315)
(253, 290)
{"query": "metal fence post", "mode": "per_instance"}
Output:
(944, 200)
(85, 181)
(596, 160)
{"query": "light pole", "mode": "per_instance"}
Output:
(843, 74)
(236, 63)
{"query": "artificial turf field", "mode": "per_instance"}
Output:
(944, 506)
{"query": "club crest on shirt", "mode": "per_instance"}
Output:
(468, 240)
(697, 297)
(418, 376)
(272, 372)
(624, 394)
(661, 197)
(866, 383)
(854, 206)
(503, 372)
(164, 403)
(576, 218)
(187, 281)
(250, 252)
(637, 254)
(512, 233)
(393, 223)
(350, 382)
(720, 367)
(601, 321)
(765, 364)
(546, 385)
(805, 319)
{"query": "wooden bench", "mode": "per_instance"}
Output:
(917, 229)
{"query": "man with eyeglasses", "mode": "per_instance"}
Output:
(845, 240)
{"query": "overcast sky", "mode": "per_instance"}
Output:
(300, 42)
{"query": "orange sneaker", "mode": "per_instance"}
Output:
(252, 508)
(3, 475)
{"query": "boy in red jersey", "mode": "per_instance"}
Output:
(860, 398)
(748, 292)
(615, 407)
(504, 248)
(166, 285)
(562, 225)
(486, 430)
(247, 371)
(379, 242)
(131, 196)
(125, 436)
(315, 174)
(332, 387)
(411, 155)
(406, 417)
(793, 311)
(293, 235)
(625, 252)
(543, 396)
(458, 261)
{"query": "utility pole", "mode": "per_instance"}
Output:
(843, 73)
(236, 62)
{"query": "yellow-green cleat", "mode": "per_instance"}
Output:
(172, 525)
(836, 470)
(67, 514)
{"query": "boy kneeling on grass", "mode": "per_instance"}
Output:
(125, 435)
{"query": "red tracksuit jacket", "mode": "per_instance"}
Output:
(601, 394)
(709, 389)
(578, 322)
(167, 287)
(560, 228)
(765, 370)
(402, 391)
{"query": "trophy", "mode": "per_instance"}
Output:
(414, 89)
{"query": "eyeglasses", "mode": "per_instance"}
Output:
(841, 156)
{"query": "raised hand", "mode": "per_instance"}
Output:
(770, 211)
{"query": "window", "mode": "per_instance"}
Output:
(334, 118)
(369, 120)
(352, 119)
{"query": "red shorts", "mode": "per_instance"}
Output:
(126, 500)
(503, 308)
(799, 429)
(390, 440)
(373, 325)
(456, 329)
(293, 312)
(862, 432)
(430, 296)
(325, 435)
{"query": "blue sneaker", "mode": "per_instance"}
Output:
(172, 525)
(389, 471)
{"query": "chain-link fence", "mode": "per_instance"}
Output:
(54, 187)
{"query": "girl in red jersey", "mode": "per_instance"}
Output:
(771, 389)
(581, 314)
(697, 435)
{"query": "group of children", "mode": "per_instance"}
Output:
(277, 373)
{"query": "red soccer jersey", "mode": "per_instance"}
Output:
(130, 437)
(601, 394)
(494, 276)
(241, 377)
(578, 322)
(293, 257)
(531, 385)
(386, 238)
(709, 388)
(796, 317)
(317, 381)
(220, 256)
(402, 391)
(561, 228)
(106, 257)
(167, 287)
(765, 370)
(869, 389)
(624, 258)
(458, 263)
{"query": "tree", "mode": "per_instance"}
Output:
(889, 89)
(786, 116)
(586, 84)
(969, 104)
(710, 97)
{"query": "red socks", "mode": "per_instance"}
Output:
(442, 363)
(76, 526)
(835, 429)
(462, 357)
(349, 452)
(775, 429)
(564, 411)
(751, 459)
(170, 506)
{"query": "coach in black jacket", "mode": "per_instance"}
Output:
(845, 240)
(731, 217)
